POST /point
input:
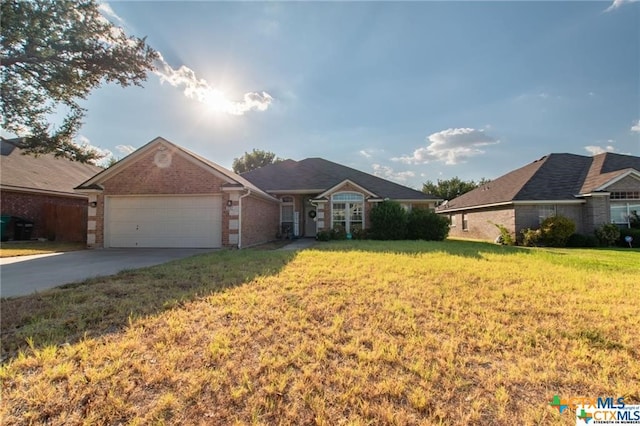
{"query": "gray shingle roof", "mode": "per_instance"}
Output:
(41, 173)
(316, 175)
(553, 177)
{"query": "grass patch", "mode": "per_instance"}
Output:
(27, 248)
(359, 333)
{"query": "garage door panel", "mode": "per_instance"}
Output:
(164, 221)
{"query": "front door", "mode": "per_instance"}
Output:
(309, 220)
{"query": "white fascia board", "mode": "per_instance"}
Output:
(595, 194)
(294, 191)
(483, 206)
(344, 182)
(155, 144)
(539, 202)
(41, 191)
(416, 201)
(124, 163)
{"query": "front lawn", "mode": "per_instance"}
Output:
(27, 248)
(357, 332)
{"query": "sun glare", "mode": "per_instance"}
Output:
(216, 101)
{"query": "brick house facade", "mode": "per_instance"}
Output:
(591, 191)
(39, 191)
(174, 179)
(165, 196)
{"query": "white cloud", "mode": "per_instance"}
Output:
(198, 89)
(371, 152)
(194, 87)
(636, 127)
(388, 173)
(540, 95)
(618, 3)
(104, 154)
(125, 149)
(451, 146)
(106, 11)
(595, 150)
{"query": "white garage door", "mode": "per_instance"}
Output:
(164, 221)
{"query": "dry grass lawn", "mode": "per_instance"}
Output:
(27, 248)
(358, 333)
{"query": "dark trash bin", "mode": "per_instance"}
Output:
(22, 229)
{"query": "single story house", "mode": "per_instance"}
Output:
(591, 191)
(38, 192)
(163, 195)
(319, 195)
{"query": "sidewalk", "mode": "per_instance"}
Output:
(299, 244)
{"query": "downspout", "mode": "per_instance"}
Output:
(240, 217)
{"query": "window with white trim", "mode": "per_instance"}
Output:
(347, 211)
(625, 195)
(622, 213)
(286, 214)
(465, 222)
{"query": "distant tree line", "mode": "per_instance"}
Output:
(449, 189)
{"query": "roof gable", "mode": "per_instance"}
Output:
(606, 169)
(232, 179)
(317, 175)
(346, 184)
(617, 176)
(42, 173)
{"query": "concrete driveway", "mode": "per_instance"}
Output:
(26, 274)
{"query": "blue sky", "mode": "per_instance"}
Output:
(410, 91)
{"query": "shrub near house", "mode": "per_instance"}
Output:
(554, 232)
(427, 225)
(391, 222)
(388, 221)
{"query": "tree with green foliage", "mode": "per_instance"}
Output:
(53, 54)
(388, 221)
(254, 160)
(449, 189)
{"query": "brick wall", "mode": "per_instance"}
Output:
(152, 174)
(480, 223)
(181, 176)
(31, 206)
(597, 211)
(528, 216)
(260, 221)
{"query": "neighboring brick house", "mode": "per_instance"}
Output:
(591, 191)
(165, 196)
(39, 190)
